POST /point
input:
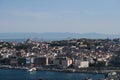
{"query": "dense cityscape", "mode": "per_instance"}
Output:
(59, 40)
(78, 53)
(75, 55)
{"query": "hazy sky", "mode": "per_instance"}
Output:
(79, 16)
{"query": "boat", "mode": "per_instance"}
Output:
(32, 69)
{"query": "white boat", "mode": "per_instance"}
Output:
(32, 69)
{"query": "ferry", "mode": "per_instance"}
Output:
(32, 69)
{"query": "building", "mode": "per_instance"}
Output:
(41, 61)
(62, 62)
(81, 64)
(21, 61)
(28, 61)
(13, 61)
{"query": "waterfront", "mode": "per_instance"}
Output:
(11, 74)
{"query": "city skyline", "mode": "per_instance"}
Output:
(75, 16)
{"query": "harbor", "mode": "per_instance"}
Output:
(54, 74)
(92, 70)
(45, 75)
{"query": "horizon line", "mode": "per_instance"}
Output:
(60, 32)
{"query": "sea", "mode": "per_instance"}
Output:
(13, 74)
(14, 40)
(23, 40)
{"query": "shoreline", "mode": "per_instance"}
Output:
(66, 70)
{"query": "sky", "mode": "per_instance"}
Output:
(76, 16)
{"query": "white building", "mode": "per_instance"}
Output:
(28, 60)
(81, 64)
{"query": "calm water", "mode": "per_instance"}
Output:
(6, 74)
(21, 40)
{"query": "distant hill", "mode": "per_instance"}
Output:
(55, 36)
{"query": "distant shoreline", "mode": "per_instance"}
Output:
(57, 35)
